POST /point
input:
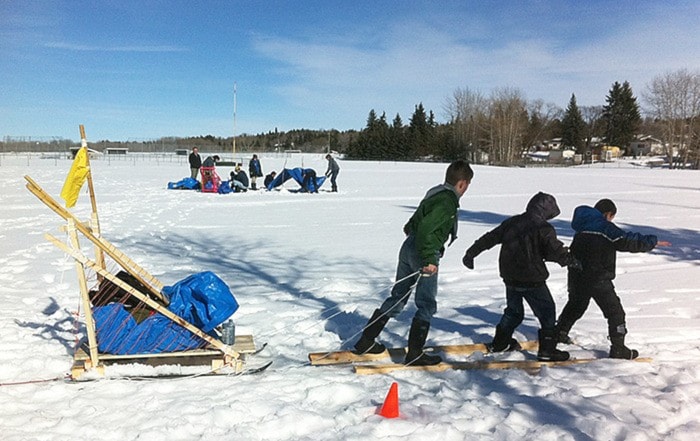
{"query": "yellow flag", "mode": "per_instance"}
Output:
(76, 178)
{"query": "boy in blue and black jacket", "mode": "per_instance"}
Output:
(596, 241)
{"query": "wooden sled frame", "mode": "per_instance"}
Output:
(217, 354)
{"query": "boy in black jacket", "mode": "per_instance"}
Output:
(527, 241)
(595, 244)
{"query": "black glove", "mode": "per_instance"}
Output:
(468, 261)
(575, 265)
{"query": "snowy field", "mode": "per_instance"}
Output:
(309, 269)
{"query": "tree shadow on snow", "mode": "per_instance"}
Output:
(255, 266)
(480, 318)
(685, 242)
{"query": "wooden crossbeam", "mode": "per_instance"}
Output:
(154, 285)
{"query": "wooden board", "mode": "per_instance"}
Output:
(367, 369)
(397, 354)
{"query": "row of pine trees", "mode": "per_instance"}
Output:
(497, 129)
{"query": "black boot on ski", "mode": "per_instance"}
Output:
(367, 344)
(416, 340)
(503, 341)
(548, 347)
(619, 350)
(562, 334)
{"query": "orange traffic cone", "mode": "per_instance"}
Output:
(390, 408)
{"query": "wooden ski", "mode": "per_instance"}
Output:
(346, 357)
(529, 365)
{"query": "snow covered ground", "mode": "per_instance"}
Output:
(309, 269)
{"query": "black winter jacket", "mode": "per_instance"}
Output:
(527, 241)
(596, 242)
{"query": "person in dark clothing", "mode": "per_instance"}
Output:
(269, 178)
(309, 184)
(527, 241)
(430, 226)
(596, 242)
(239, 180)
(332, 172)
(211, 161)
(255, 170)
(195, 163)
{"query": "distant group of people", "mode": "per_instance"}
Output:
(239, 181)
(527, 241)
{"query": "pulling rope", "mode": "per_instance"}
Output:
(327, 310)
(401, 300)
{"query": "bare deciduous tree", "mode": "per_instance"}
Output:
(673, 100)
(507, 125)
(466, 109)
(592, 116)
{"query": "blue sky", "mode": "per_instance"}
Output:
(131, 70)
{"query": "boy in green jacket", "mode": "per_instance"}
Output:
(433, 222)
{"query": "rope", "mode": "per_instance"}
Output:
(46, 380)
(405, 296)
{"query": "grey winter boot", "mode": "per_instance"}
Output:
(366, 344)
(548, 347)
(416, 340)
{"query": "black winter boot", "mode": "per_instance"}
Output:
(619, 350)
(503, 341)
(366, 343)
(548, 347)
(416, 341)
(562, 333)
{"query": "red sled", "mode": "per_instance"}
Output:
(210, 180)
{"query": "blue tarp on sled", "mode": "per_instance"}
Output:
(184, 184)
(203, 299)
(298, 175)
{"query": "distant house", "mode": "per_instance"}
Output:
(645, 145)
(561, 155)
(553, 144)
(609, 153)
(116, 150)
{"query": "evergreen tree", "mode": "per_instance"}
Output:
(398, 149)
(621, 115)
(419, 132)
(573, 127)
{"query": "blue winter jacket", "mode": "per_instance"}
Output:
(596, 242)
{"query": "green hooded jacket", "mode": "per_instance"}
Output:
(434, 221)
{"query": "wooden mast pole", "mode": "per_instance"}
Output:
(94, 220)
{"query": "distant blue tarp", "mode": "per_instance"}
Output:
(203, 299)
(298, 175)
(184, 184)
(225, 187)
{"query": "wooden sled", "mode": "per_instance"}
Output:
(146, 289)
